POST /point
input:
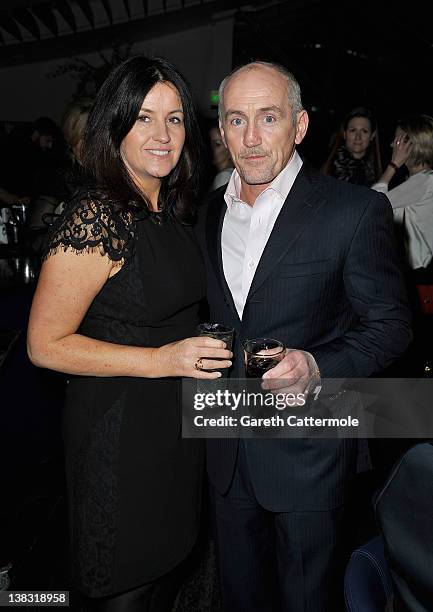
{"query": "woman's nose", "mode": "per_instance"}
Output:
(161, 132)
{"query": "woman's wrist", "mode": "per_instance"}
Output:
(394, 166)
(153, 365)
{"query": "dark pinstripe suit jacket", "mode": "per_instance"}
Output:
(328, 282)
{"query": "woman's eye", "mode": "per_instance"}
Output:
(175, 120)
(143, 118)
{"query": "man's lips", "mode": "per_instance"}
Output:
(254, 157)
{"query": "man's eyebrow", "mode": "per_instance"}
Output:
(266, 109)
(231, 111)
(271, 109)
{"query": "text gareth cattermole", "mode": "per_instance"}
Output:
(231, 400)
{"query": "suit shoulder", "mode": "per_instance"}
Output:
(214, 198)
(356, 197)
(210, 203)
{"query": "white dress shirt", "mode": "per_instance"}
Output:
(412, 203)
(246, 229)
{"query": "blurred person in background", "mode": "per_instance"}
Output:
(27, 153)
(221, 158)
(60, 183)
(73, 125)
(412, 203)
(412, 200)
(355, 154)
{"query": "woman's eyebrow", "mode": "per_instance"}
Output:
(149, 110)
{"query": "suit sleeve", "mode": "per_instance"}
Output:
(375, 288)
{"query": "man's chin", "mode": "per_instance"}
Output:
(257, 180)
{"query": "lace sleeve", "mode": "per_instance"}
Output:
(89, 224)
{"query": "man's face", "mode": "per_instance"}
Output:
(257, 124)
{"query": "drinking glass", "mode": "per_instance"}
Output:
(220, 332)
(262, 354)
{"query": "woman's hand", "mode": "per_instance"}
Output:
(180, 358)
(401, 149)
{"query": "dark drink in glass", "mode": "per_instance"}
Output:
(262, 354)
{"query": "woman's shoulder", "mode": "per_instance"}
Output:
(92, 221)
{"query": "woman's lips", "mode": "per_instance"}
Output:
(159, 152)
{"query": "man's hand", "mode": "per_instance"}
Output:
(296, 373)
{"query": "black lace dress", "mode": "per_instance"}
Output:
(134, 484)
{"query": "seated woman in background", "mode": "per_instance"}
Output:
(117, 306)
(355, 154)
(412, 200)
(412, 203)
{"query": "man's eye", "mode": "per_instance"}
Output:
(269, 119)
(236, 121)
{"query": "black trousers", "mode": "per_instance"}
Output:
(277, 561)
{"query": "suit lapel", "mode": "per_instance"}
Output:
(302, 201)
(214, 224)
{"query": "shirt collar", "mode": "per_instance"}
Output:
(281, 184)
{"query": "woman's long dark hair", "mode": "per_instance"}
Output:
(116, 109)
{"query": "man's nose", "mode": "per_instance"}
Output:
(252, 136)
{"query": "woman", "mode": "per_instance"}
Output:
(62, 183)
(355, 155)
(74, 123)
(412, 203)
(412, 200)
(116, 317)
(221, 159)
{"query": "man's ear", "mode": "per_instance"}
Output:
(223, 138)
(302, 121)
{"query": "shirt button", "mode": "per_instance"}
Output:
(251, 264)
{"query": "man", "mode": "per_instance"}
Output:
(309, 260)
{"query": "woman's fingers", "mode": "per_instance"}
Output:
(206, 375)
(208, 341)
(215, 364)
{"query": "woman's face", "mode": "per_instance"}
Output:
(152, 148)
(358, 136)
(220, 155)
